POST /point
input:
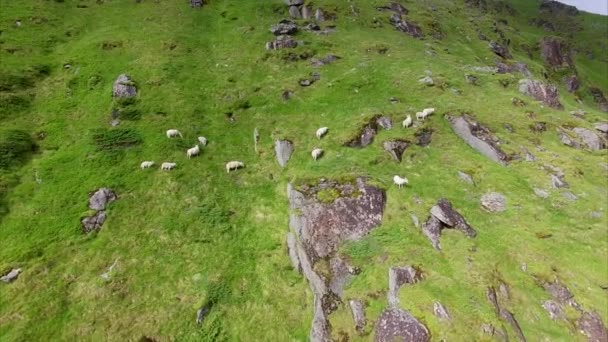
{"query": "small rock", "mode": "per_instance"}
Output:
(11, 276)
(591, 325)
(399, 325)
(115, 122)
(399, 276)
(306, 12)
(93, 223)
(100, 198)
(294, 12)
(393, 100)
(282, 42)
(602, 127)
(283, 150)
(202, 313)
(558, 182)
(385, 122)
(541, 193)
(396, 148)
(590, 139)
(471, 79)
(286, 95)
(546, 93)
(427, 80)
(465, 177)
(284, 27)
(319, 15)
(440, 311)
(499, 50)
(529, 157)
(570, 196)
(554, 309)
(579, 113)
(357, 309)
(572, 83)
(415, 220)
(493, 202)
(508, 127)
(124, 87)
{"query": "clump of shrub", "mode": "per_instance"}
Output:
(112, 140)
(15, 147)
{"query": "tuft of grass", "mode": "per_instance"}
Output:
(112, 140)
(15, 147)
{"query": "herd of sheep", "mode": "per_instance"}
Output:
(316, 152)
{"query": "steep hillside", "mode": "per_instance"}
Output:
(200, 254)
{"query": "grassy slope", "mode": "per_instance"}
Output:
(198, 233)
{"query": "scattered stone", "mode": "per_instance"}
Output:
(590, 139)
(415, 220)
(319, 15)
(283, 150)
(286, 95)
(115, 122)
(293, 2)
(202, 313)
(294, 12)
(196, 3)
(306, 12)
(324, 61)
(465, 177)
(478, 137)
(399, 276)
(284, 27)
(444, 216)
(569, 196)
(399, 325)
(508, 68)
(599, 98)
(572, 83)
(106, 275)
(529, 157)
(424, 137)
(100, 198)
(541, 193)
(500, 335)
(558, 182)
(441, 312)
(508, 127)
(427, 80)
(471, 79)
(393, 100)
(494, 202)
(579, 113)
(124, 87)
(554, 53)
(357, 309)
(554, 309)
(591, 325)
(396, 148)
(546, 93)
(282, 42)
(566, 139)
(499, 50)
(93, 223)
(405, 26)
(11, 276)
(538, 127)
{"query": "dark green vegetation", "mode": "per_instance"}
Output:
(199, 236)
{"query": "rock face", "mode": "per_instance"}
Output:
(11, 276)
(398, 325)
(441, 312)
(124, 87)
(399, 276)
(591, 325)
(282, 42)
(284, 27)
(283, 150)
(555, 54)
(357, 308)
(294, 12)
(494, 202)
(508, 68)
(100, 198)
(396, 148)
(555, 8)
(580, 137)
(366, 134)
(405, 26)
(572, 83)
(500, 50)
(442, 216)
(317, 230)
(93, 223)
(599, 98)
(546, 93)
(478, 137)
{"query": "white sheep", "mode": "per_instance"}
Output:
(172, 133)
(321, 132)
(407, 122)
(316, 153)
(146, 164)
(167, 166)
(202, 140)
(191, 152)
(400, 181)
(420, 116)
(233, 165)
(428, 111)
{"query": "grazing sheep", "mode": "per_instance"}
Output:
(428, 111)
(203, 141)
(167, 166)
(191, 152)
(321, 132)
(146, 164)
(172, 133)
(407, 122)
(316, 153)
(400, 181)
(420, 116)
(233, 165)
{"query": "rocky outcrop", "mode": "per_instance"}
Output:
(599, 98)
(580, 137)
(366, 134)
(395, 324)
(284, 27)
(399, 276)
(508, 68)
(572, 83)
(443, 216)
(499, 50)
(591, 325)
(478, 137)
(555, 54)
(124, 87)
(282, 42)
(557, 8)
(546, 93)
(396, 148)
(11, 276)
(494, 202)
(405, 26)
(283, 150)
(317, 230)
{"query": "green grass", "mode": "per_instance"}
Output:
(198, 235)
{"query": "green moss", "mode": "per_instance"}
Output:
(328, 196)
(112, 140)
